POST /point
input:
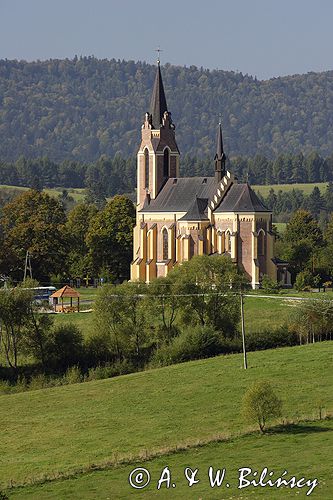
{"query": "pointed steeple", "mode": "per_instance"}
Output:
(219, 156)
(158, 104)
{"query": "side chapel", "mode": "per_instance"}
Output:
(179, 217)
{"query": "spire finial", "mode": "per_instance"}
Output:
(158, 50)
(220, 118)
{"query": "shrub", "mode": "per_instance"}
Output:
(73, 375)
(65, 347)
(5, 387)
(195, 343)
(304, 281)
(269, 339)
(269, 286)
(39, 381)
(261, 404)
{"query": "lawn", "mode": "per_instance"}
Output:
(292, 450)
(306, 188)
(63, 428)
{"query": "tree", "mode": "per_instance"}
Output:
(77, 226)
(120, 313)
(15, 307)
(302, 241)
(206, 284)
(34, 222)
(261, 404)
(110, 237)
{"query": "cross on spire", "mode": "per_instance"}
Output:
(158, 50)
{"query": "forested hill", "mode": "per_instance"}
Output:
(85, 107)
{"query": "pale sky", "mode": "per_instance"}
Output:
(265, 38)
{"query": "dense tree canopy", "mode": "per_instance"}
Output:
(84, 108)
(34, 222)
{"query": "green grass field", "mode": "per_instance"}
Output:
(58, 430)
(291, 450)
(306, 188)
(76, 193)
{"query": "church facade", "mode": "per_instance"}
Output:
(180, 217)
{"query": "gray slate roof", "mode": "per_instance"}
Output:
(198, 210)
(179, 194)
(241, 198)
(192, 194)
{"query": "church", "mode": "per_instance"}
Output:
(179, 217)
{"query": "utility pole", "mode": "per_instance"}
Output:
(243, 329)
(27, 266)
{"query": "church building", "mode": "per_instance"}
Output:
(179, 217)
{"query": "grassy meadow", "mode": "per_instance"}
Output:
(290, 449)
(76, 193)
(62, 429)
(306, 188)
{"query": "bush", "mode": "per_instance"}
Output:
(38, 382)
(261, 404)
(195, 343)
(269, 286)
(73, 375)
(269, 339)
(65, 347)
(304, 281)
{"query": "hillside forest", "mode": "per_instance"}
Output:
(82, 108)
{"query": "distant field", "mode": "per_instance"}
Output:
(306, 188)
(76, 193)
(63, 428)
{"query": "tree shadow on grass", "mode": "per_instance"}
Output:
(301, 428)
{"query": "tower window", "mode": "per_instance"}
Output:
(165, 242)
(146, 169)
(261, 243)
(166, 161)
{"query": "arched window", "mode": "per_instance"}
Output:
(261, 243)
(165, 243)
(166, 161)
(146, 169)
(228, 242)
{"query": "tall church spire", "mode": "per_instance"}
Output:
(158, 104)
(219, 156)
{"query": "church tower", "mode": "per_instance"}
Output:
(158, 155)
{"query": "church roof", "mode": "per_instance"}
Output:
(198, 210)
(158, 103)
(178, 194)
(241, 198)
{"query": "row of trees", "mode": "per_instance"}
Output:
(117, 175)
(284, 203)
(84, 241)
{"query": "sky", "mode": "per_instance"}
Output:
(264, 38)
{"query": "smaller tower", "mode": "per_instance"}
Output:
(219, 156)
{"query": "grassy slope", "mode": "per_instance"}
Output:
(306, 188)
(76, 193)
(63, 428)
(291, 450)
